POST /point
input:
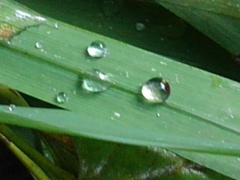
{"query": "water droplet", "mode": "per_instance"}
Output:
(11, 107)
(163, 63)
(156, 90)
(38, 45)
(127, 74)
(177, 79)
(62, 97)
(140, 26)
(158, 114)
(118, 115)
(96, 81)
(56, 25)
(230, 113)
(97, 49)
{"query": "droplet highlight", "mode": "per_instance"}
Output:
(96, 81)
(38, 45)
(62, 97)
(156, 90)
(56, 25)
(11, 107)
(97, 49)
(140, 26)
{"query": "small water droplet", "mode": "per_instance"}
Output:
(127, 74)
(230, 113)
(153, 70)
(11, 107)
(156, 90)
(96, 81)
(38, 45)
(177, 79)
(118, 115)
(158, 114)
(222, 141)
(163, 63)
(140, 26)
(62, 97)
(56, 25)
(97, 49)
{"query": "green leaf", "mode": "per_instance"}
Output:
(197, 146)
(218, 19)
(199, 121)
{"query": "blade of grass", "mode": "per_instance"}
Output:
(49, 168)
(219, 19)
(35, 170)
(202, 150)
(202, 105)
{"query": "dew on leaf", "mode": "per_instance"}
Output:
(97, 49)
(38, 45)
(11, 107)
(156, 90)
(96, 81)
(62, 97)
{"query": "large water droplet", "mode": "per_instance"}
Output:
(156, 90)
(62, 97)
(38, 45)
(97, 49)
(11, 107)
(96, 81)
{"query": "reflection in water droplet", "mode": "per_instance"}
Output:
(158, 114)
(156, 90)
(97, 49)
(140, 26)
(38, 45)
(96, 81)
(62, 97)
(11, 107)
